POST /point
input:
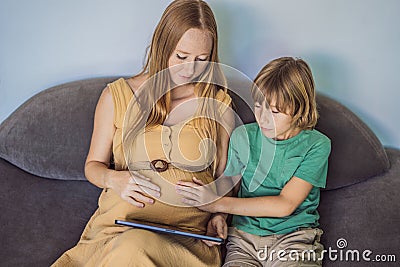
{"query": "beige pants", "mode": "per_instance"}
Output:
(300, 248)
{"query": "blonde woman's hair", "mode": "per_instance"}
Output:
(289, 82)
(178, 17)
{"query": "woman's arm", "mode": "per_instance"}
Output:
(98, 159)
(225, 128)
(217, 224)
(129, 187)
(284, 204)
(224, 184)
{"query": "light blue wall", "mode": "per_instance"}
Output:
(352, 46)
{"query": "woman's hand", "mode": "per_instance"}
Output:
(134, 188)
(197, 194)
(216, 227)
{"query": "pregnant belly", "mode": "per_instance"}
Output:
(168, 210)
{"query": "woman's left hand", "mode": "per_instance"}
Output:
(197, 194)
(216, 227)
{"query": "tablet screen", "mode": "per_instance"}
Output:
(168, 231)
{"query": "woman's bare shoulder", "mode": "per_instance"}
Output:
(106, 99)
(136, 81)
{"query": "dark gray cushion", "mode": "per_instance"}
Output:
(49, 135)
(357, 154)
(365, 215)
(41, 218)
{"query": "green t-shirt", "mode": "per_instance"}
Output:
(267, 165)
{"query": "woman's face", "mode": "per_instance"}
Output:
(189, 59)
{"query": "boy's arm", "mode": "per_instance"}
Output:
(284, 204)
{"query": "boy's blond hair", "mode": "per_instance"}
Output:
(289, 82)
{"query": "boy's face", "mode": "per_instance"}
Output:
(274, 124)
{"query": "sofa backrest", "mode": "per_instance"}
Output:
(357, 153)
(49, 135)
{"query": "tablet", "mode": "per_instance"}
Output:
(169, 231)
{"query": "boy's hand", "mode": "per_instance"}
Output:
(216, 227)
(197, 194)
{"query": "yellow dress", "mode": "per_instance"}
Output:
(105, 244)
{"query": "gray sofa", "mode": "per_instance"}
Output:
(46, 200)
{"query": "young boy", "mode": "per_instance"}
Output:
(283, 163)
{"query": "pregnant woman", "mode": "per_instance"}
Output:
(168, 123)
